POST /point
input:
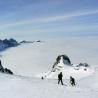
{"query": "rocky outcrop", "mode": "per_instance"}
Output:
(65, 60)
(5, 70)
(24, 41)
(4, 44)
(83, 64)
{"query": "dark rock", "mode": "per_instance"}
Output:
(8, 71)
(66, 60)
(27, 41)
(65, 57)
(38, 41)
(11, 42)
(4, 44)
(5, 70)
(83, 64)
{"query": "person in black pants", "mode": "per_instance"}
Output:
(72, 81)
(60, 76)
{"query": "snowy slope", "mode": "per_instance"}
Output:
(29, 60)
(76, 72)
(26, 87)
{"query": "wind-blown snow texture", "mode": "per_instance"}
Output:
(30, 60)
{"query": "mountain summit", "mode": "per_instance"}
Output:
(62, 60)
(4, 44)
(63, 64)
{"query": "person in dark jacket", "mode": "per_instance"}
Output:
(72, 81)
(60, 76)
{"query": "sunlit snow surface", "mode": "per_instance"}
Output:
(29, 60)
(67, 71)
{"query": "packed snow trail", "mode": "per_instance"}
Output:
(29, 87)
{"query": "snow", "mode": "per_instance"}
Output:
(29, 87)
(68, 71)
(31, 61)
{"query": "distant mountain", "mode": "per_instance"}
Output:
(25, 41)
(7, 43)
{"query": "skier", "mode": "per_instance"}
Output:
(60, 78)
(72, 81)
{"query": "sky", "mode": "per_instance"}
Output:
(48, 18)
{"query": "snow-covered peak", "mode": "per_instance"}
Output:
(62, 66)
(61, 62)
